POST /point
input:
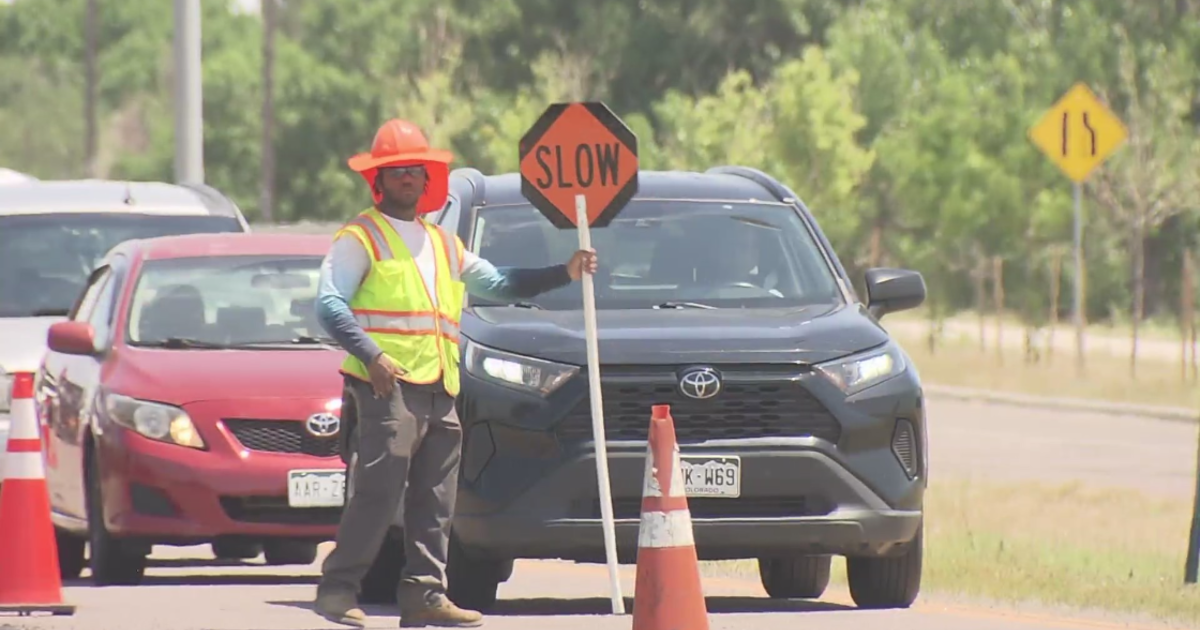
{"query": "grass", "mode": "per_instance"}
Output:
(1061, 546)
(958, 361)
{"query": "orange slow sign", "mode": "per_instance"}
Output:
(579, 148)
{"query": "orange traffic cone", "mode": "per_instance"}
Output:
(667, 593)
(29, 574)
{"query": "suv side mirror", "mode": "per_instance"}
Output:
(890, 290)
(72, 338)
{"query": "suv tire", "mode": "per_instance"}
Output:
(803, 577)
(473, 582)
(889, 582)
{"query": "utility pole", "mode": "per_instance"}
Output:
(89, 98)
(189, 115)
(267, 186)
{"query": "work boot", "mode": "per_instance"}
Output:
(340, 607)
(437, 610)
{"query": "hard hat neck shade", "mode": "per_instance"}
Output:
(437, 184)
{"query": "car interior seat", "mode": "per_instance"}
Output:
(672, 262)
(305, 310)
(177, 311)
(242, 324)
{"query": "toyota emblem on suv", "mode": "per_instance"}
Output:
(323, 424)
(700, 383)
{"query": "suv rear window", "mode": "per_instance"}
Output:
(721, 254)
(45, 259)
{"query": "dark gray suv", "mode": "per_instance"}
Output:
(800, 421)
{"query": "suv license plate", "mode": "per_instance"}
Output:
(316, 488)
(718, 476)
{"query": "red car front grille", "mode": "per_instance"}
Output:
(281, 436)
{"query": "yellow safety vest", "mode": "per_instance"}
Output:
(394, 307)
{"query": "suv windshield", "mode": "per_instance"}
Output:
(223, 301)
(45, 259)
(664, 253)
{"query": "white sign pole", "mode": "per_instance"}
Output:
(593, 358)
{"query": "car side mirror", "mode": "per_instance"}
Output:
(891, 290)
(72, 338)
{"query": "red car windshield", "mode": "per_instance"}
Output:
(45, 259)
(225, 301)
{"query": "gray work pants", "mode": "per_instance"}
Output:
(409, 447)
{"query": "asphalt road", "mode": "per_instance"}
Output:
(185, 595)
(967, 439)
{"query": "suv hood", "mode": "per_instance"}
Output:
(182, 377)
(23, 342)
(668, 336)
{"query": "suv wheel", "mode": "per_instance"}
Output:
(71, 554)
(887, 582)
(804, 577)
(113, 561)
(472, 582)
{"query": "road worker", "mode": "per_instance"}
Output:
(391, 291)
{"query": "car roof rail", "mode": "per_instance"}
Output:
(777, 189)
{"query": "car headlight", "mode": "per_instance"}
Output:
(857, 372)
(156, 421)
(6, 385)
(536, 376)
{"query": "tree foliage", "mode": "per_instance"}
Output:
(901, 123)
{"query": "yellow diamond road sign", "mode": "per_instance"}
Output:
(1078, 133)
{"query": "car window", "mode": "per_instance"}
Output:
(91, 294)
(448, 215)
(721, 254)
(45, 259)
(225, 300)
(102, 315)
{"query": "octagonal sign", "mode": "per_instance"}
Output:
(579, 148)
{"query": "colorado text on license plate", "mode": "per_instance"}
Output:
(712, 475)
(316, 488)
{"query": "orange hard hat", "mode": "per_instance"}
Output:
(401, 143)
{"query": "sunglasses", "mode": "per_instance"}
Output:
(397, 171)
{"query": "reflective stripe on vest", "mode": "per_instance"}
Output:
(406, 323)
(394, 307)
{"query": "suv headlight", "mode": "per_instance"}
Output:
(857, 372)
(528, 374)
(6, 385)
(156, 421)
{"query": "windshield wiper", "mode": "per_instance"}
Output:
(186, 342)
(526, 305)
(307, 340)
(671, 304)
(302, 340)
(51, 312)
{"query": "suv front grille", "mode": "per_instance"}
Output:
(281, 436)
(750, 404)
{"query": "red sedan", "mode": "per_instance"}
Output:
(192, 398)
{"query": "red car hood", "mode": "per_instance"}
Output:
(181, 377)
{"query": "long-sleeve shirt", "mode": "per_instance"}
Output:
(348, 262)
